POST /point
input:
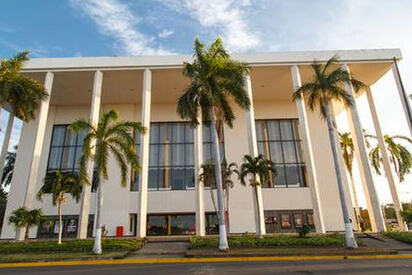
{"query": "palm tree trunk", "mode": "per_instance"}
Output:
(355, 201)
(350, 240)
(259, 232)
(97, 247)
(59, 213)
(227, 209)
(26, 234)
(223, 244)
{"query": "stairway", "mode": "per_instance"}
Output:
(163, 247)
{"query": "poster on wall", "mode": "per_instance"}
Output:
(71, 225)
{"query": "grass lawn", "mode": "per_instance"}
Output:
(405, 237)
(271, 241)
(69, 249)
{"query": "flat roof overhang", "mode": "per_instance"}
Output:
(122, 76)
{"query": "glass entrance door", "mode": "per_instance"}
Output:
(170, 224)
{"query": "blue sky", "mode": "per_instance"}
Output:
(51, 28)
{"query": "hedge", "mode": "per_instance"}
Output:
(252, 241)
(69, 246)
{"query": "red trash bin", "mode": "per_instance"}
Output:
(119, 231)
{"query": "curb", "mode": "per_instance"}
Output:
(204, 260)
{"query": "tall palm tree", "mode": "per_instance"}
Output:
(25, 218)
(111, 136)
(348, 149)
(58, 184)
(256, 171)
(8, 168)
(325, 87)
(215, 79)
(399, 157)
(208, 179)
(21, 93)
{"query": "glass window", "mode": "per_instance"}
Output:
(208, 151)
(298, 220)
(285, 222)
(279, 140)
(66, 151)
(171, 164)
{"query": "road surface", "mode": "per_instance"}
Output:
(375, 267)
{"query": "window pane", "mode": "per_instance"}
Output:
(78, 157)
(70, 138)
(68, 157)
(154, 132)
(178, 155)
(259, 133)
(189, 152)
(164, 133)
(178, 133)
(276, 152)
(80, 137)
(189, 132)
(289, 151)
(298, 220)
(303, 176)
(292, 176)
(286, 130)
(273, 130)
(153, 155)
(280, 180)
(260, 146)
(207, 155)
(55, 158)
(295, 124)
(178, 179)
(206, 133)
(164, 178)
(58, 135)
(153, 177)
(190, 177)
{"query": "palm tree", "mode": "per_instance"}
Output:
(111, 136)
(24, 218)
(325, 87)
(22, 93)
(401, 160)
(257, 171)
(9, 168)
(215, 79)
(348, 149)
(208, 179)
(58, 184)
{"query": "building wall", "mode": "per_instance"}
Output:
(119, 202)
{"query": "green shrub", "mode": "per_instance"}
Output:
(400, 236)
(69, 246)
(303, 230)
(252, 241)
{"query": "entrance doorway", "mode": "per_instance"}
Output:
(171, 224)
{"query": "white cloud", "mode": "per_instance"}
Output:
(114, 19)
(165, 33)
(227, 16)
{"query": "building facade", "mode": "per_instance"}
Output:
(166, 197)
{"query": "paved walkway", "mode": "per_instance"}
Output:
(161, 249)
(381, 241)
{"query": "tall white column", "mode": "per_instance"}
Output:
(94, 120)
(385, 159)
(144, 154)
(253, 151)
(372, 199)
(200, 199)
(6, 142)
(308, 155)
(41, 122)
(404, 100)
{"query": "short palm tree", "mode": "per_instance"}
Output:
(208, 178)
(22, 93)
(58, 184)
(256, 171)
(8, 168)
(399, 157)
(348, 149)
(111, 136)
(215, 80)
(25, 218)
(325, 87)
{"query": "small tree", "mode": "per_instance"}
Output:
(208, 179)
(58, 184)
(112, 136)
(24, 218)
(256, 171)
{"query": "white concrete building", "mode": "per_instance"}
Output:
(166, 198)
